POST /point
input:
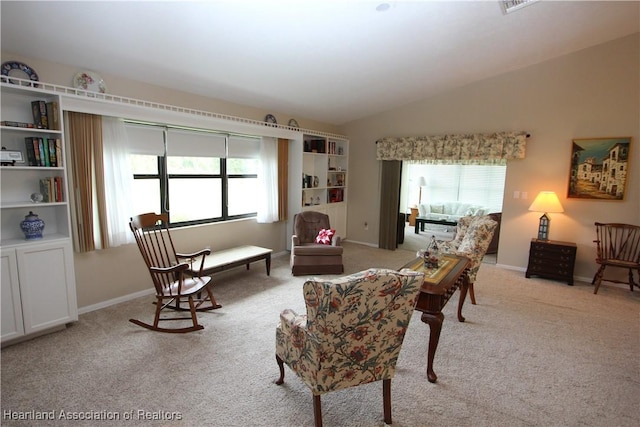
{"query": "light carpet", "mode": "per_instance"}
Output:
(533, 352)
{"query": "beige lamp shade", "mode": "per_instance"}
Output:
(546, 201)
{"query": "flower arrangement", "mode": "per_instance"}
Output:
(431, 255)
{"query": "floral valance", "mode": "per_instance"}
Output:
(464, 148)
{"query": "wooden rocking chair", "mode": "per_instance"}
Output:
(173, 277)
(618, 245)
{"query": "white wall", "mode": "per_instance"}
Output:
(591, 93)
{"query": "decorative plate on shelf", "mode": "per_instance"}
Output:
(20, 71)
(293, 123)
(271, 119)
(90, 81)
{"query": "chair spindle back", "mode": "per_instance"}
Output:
(152, 235)
(618, 242)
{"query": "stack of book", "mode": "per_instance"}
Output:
(44, 151)
(51, 189)
(45, 115)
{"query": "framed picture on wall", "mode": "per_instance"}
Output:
(599, 168)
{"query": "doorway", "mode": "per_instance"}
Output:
(438, 186)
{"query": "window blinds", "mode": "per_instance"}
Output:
(144, 139)
(241, 147)
(476, 184)
(189, 143)
(149, 140)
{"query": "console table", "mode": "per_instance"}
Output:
(552, 259)
(439, 284)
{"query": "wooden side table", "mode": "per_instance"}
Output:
(552, 259)
(412, 217)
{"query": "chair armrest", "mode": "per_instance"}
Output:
(202, 254)
(205, 251)
(598, 250)
(447, 246)
(174, 268)
(295, 240)
(336, 240)
(290, 320)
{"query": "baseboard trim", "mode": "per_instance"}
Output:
(114, 301)
(371, 245)
(511, 267)
(575, 278)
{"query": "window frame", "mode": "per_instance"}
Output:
(163, 178)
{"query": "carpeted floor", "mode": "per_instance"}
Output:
(533, 352)
(413, 241)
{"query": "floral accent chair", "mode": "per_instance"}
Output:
(352, 332)
(472, 239)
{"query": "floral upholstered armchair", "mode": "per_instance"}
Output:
(472, 239)
(352, 332)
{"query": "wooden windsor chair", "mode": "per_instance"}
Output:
(618, 245)
(175, 280)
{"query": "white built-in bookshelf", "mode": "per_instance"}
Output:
(38, 280)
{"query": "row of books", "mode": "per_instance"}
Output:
(46, 115)
(333, 148)
(44, 151)
(51, 189)
(335, 195)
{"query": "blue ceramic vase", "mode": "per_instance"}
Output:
(32, 226)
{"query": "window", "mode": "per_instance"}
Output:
(203, 177)
(476, 184)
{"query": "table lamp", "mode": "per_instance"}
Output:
(545, 201)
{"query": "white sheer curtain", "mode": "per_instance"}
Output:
(118, 181)
(268, 181)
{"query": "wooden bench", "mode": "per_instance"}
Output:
(234, 257)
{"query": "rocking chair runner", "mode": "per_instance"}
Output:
(175, 280)
(618, 245)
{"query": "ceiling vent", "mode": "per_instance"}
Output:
(509, 6)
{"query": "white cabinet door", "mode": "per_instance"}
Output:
(47, 285)
(12, 325)
(338, 218)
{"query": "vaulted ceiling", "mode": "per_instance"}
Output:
(332, 61)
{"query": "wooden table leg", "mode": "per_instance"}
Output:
(268, 262)
(434, 320)
(464, 286)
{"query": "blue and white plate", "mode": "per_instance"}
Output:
(270, 119)
(20, 71)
